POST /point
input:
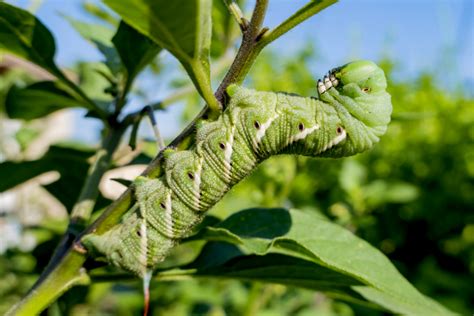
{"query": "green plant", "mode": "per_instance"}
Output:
(331, 260)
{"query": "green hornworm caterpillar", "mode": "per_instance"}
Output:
(349, 115)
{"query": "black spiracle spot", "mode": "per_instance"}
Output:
(301, 127)
(256, 124)
(222, 146)
(190, 175)
(339, 130)
(163, 206)
(366, 89)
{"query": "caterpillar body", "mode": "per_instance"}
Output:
(349, 115)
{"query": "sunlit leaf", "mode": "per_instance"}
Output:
(379, 192)
(135, 50)
(183, 27)
(101, 37)
(227, 261)
(308, 237)
(22, 34)
(25, 36)
(93, 80)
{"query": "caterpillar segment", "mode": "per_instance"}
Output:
(349, 114)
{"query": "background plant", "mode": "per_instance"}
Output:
(403, 187)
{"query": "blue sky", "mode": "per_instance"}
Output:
(420, 35)
(414, 32)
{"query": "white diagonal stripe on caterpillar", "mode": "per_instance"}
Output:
(336, 140)
(264, 126)
(229, 148)
(169, 214)
(197, 184)
(302, 135)
(261, 131)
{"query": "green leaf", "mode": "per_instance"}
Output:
(22, 34)
(183, 27)
(135, 51)
(72, 162)
(25, 36)
(222, 23)
(124, 182)
(99, 12)
(93, 80)
(101, 37)
(308, 237)
(226, 260)
(15, 173)
(39, 99)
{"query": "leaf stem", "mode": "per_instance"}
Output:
(66, 275)
(92, 106)
(82, 210)
(255, 39)
(310, 9)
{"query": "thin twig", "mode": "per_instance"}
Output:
(235, 11)
(235, 75)
(82, 210)
(255, 39)
(298, 17)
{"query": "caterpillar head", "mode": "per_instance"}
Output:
(358, 93)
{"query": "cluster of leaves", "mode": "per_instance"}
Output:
(370, 194)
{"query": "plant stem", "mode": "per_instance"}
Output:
(68, 274)
(301, 15)
(253, 42)
(65, 267)
(254, 299)
(92, 106)
(84, 206)
(235, 73)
